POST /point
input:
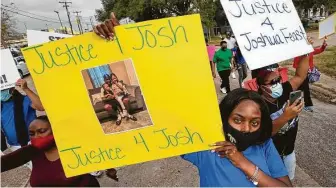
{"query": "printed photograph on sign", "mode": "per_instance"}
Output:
(116, 97)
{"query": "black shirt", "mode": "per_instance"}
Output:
(284, 140)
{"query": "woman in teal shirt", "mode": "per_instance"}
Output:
(224, 61)
(248, 157)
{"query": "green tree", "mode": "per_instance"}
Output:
(329, 5)
(7, 25)
(207, 10)
(141, 10)
(306, 5)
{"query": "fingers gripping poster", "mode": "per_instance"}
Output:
(146, 95)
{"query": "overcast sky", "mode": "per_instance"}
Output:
(46, 8)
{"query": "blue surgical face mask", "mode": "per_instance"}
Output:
(5, 95)
(277, 90)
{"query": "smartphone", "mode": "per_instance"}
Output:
(293, 96)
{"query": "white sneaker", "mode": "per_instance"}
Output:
(233, 75)
(124, 113)
(223, 90)
(96, 173)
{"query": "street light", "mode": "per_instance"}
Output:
(59, 18)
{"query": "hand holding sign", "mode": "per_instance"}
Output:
(325, 41)
(22, 84)
(106, 30)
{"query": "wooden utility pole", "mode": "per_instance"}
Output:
(79, 22)
(68, 13)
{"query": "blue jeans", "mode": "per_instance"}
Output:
(290, 163)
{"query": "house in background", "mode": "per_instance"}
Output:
(315, 12)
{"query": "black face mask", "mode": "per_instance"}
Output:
(240, 139)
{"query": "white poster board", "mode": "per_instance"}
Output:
(327, 26)
(267, 31)
(39, 37)
(9, 73)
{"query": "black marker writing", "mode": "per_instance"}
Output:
(268, 22)
(3, 79)
(283, 36)
(52, 38)
(257, 7)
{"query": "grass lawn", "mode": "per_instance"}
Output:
(312, 27)
(215, 40)
(326, 62)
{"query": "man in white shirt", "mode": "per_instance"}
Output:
(230, 41)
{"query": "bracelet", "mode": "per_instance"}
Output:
(254, 178)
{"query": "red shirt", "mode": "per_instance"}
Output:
(45, 173)
(311, 56)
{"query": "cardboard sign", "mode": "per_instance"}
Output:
(164, 74)
(40, 37)
(267, 31)
(328, 26)
(9, 73)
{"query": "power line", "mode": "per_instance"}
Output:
(16, 9)
(29, 16)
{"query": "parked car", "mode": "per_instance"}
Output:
(317, 19)
(21, 66)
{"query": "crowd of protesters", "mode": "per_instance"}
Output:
(260, 126)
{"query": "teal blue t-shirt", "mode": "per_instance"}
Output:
(220, 172)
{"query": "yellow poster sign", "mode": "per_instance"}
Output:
(146, 95)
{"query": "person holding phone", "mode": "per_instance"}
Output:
(283, 114)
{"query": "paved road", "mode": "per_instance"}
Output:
(315, 149)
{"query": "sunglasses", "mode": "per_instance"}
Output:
(274, 81)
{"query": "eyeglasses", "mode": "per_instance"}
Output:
(274, 81)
